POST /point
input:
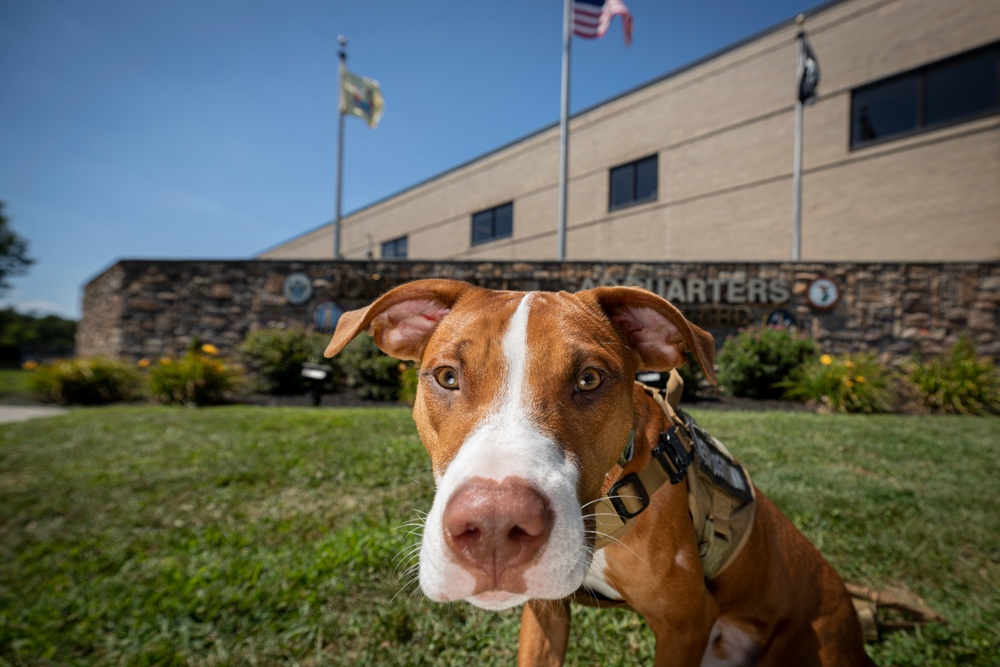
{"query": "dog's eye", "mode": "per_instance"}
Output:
(446, 377)
(589, 380)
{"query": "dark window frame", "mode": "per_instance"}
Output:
(921, 100)
(494, 233)
(631, 170)
(394, 244)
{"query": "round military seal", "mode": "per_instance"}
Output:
(326, 315)
(298, 289)
(823, 294)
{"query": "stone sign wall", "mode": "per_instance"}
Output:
(152, 308)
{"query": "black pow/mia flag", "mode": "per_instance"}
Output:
(808, 74)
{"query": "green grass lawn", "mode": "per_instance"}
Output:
(14, 384)
(259, 536)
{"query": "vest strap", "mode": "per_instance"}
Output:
(721, 497)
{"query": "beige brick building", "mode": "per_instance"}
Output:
(901, 158)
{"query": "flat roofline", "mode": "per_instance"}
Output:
(652, 82)
(803, 264)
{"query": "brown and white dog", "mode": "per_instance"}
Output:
(525, 403)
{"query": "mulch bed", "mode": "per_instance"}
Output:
(345, 398)
(746, 404)
(348, 398)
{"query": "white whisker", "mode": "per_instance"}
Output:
(614, 540)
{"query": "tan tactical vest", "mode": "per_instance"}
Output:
(721, 497)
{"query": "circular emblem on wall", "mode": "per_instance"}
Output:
(780, 317)
(326, 316)
(298, 289)
(823, 294)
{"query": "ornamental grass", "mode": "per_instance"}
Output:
(959, 382)
(846, 383)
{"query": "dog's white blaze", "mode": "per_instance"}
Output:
(515, 354)
(508, 443)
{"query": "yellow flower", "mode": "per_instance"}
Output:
(30, 365)
(826, 360)
(208, 348)
(166, 361)
(860, 379)
(848, 383)
(143, 363)
(849, 364)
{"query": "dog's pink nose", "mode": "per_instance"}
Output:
(496, 528)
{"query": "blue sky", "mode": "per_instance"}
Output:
(207, 129)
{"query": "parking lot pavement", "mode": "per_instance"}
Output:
(20, 413)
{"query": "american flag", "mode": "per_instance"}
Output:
(591, 18)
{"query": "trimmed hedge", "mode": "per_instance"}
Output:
(755, 361)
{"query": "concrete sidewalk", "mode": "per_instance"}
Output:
(20, 413)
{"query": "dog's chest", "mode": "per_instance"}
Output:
(595, 579)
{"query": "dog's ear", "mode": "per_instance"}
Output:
(402, 320)
(657, 331)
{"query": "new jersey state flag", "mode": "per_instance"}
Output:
(361, 97)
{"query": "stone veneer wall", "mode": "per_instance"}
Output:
(139, 308)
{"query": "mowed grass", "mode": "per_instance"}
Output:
(272, 536)
(14, 384)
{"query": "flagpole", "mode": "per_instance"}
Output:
(564, 128)
(797, 160)
(340, 145)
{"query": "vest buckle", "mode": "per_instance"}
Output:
(635, 499)
(672, 455)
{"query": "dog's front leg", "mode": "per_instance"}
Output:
(681, 639)
(544, 633)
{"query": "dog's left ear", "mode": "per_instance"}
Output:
(657, 331)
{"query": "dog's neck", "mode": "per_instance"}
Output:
(649, 420)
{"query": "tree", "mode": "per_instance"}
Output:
(14, 259)
(20, 329)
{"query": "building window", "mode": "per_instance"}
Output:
(395, 249)
(633, 183)
(492, 224)
(942, 93)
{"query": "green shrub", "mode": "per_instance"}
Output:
(693, 377)
(366, 368)
(754, 361)
(194, 379)
(90, 381)
(958, 383)
(408, 381)
(852, 383)
(275, 357)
